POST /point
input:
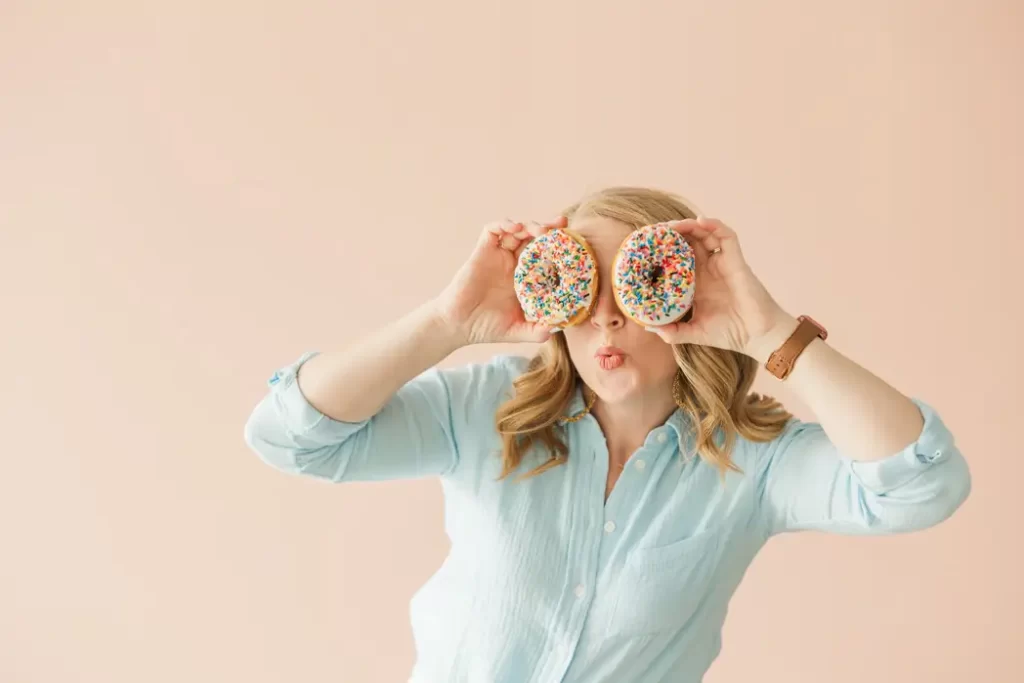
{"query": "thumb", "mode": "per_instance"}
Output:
(676, 333)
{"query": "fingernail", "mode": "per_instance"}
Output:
(556, 329)
(651, 329)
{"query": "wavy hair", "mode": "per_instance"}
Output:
(714, 384)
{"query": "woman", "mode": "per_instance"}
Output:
(605, 497)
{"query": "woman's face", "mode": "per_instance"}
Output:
(615, 356)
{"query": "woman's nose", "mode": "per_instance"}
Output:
(606, 314)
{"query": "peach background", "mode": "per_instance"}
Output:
(193, 193)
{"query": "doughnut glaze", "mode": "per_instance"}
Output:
(555, 279)
(653, 276)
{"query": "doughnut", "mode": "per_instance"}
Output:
(555, 279)
(653, 276)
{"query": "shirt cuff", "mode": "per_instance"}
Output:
(933, 445)
(300, 417)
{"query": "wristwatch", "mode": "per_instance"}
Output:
(781, 362)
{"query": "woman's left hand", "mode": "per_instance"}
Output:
(731, 308)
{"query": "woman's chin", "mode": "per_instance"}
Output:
(614, 386)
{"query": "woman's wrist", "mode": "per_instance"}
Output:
(781, 326)
(449, 336)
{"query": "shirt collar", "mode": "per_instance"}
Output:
(676, 426)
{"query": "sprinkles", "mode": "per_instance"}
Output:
(555, 279)
(653, 275)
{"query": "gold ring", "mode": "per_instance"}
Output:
(715, 251)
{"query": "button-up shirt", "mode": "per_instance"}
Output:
(546, 581)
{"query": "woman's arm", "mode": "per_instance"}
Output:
(380, 409)
(353, 384)
(863, 416)
(478, 306)
(876, 462)
(375, 411)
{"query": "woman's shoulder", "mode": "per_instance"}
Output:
(490, 375)
(512, 363)
(499, 363)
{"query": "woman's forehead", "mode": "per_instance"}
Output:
(605, 235)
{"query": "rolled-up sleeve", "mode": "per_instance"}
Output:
(416, 434)
(804, 483)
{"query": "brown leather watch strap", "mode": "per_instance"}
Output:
(782, 360)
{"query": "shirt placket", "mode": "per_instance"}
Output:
(595, 526)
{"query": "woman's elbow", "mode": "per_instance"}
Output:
(958, 486)
(290, 453)
(951, 490)
(260, 441)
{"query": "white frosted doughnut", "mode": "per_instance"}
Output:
(555, 279)
(653, 276)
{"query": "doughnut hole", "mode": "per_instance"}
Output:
(657, 275)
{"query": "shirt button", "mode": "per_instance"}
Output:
(640, 464)
(580, 591)
(663, 437)
(609, 526)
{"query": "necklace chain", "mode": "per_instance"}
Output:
(583, 413)
(677, 387)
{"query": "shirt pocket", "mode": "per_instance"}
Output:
(659, 588)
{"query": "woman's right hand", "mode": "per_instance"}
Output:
(480, 303)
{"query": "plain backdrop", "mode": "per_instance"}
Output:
(194, 193)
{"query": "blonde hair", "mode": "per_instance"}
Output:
(715, 383)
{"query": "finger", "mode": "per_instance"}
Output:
(710, 237)
(724, 235)
(697, 233)
(510, 242)
(690, 227)
(675, 333)
(700, 251)
(666, 332)
(662, 331)
(702, 228)
(699, 237)
(716, 226)
(536, 228)
(507, 234)
(509, 227)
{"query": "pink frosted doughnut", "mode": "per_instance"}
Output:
(653, 276)
(555, 279)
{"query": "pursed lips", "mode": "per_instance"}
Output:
(610, 357)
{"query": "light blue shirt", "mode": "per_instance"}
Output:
(546, 582)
